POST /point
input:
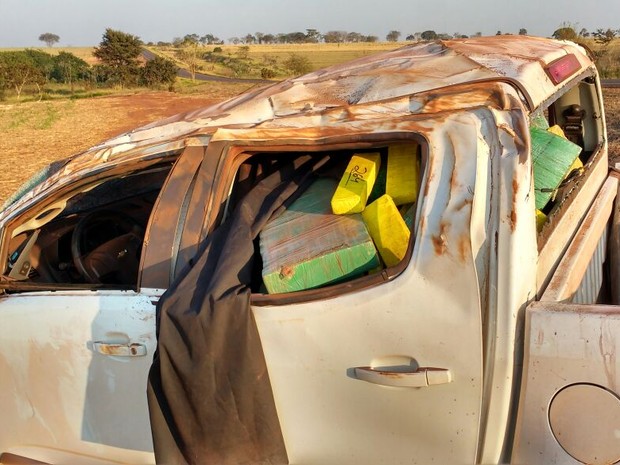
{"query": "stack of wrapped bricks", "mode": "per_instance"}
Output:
(336, 231)
(554, 158)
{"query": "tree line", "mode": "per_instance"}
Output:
(313, 36)
(566, 31)
(607, 58)
(119, 66)
(601, 36)
(120, 63)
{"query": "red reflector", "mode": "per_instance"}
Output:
(562, 68)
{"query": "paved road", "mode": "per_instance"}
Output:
(607, 83)
(209, 77)
(148, 55)
(610, 83)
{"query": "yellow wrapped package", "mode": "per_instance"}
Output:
(402, 173)
(356, 184)
(577, 165)
(558, 131)
(541, 219)
(387, 229)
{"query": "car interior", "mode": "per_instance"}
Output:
(578, 119)
(91, 237)
(309, 245)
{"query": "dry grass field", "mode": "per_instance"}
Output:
(249, 60)
(319, 55)
(36, 133)
(612, 112)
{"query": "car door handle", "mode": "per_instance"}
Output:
(120, 350)
(421, 377)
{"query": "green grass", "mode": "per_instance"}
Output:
(18, 119)
(49, 117)
(38, 117)
(53, 91)
(210, 88)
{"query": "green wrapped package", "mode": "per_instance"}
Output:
(539, 122)
(379, 188)
(308, 246)
(552, 157)
(408, 213)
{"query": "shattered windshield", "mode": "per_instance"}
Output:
(34, 181)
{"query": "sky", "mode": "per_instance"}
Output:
(83, 22)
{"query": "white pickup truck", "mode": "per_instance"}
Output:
(494, 340)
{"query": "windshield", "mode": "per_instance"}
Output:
(35, 180)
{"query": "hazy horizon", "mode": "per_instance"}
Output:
(83, 22)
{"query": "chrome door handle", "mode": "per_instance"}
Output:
(421, 377)
(120, 350)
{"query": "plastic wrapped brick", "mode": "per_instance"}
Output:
(552, 157)
(408, 214)
(308, 246)
(387, 229)
(356, 184)
(402, 173)
(541, 219)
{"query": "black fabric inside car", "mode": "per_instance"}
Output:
(209, 393)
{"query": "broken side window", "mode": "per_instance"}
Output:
(570, 165)
(89, 235)
(354, 219)
(566, 139)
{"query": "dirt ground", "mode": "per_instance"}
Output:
(34, 134)
(37, 133)
(612, 113)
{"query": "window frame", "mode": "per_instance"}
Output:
(234, 153)
(564, 217)
(52, 199)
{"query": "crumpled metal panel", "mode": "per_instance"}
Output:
(400, 82)
(303, 343)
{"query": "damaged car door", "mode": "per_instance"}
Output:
(78, 326)
(385, 366)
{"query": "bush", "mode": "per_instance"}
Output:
(297, 64)
(21, 69)
(68, 68)
(159, 71)
(239, 68)
(44, 62)
(126, 76)
(267, 73)
(243, 51)
(217, 50)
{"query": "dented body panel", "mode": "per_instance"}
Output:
(370, 81)
(63, 390)
(422, 361)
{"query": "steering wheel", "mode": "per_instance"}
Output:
(106, 247)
